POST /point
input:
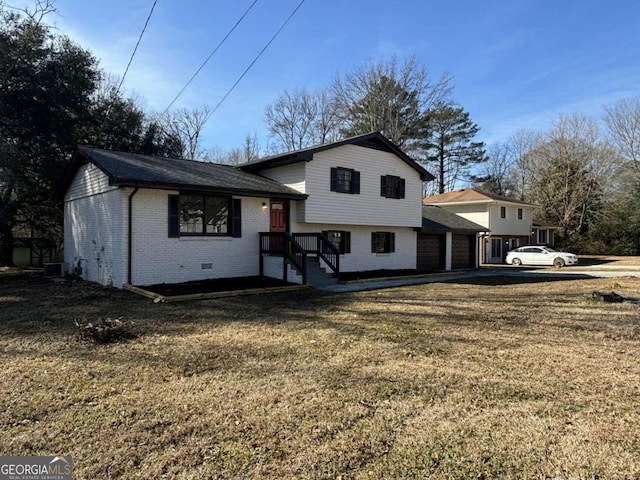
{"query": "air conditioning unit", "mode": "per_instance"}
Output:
(54, 270)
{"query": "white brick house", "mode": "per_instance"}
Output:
(141, 220)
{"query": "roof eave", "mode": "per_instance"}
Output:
(206, 189)
(286, 159)
(306, 155)
(458, 202)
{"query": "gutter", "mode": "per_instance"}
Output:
(129, 236)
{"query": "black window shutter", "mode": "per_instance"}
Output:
(347, 242)
(334, 179)
(392, 242)
(383, 186)
(373, 242)
(355, 183)
(401, 188)
(174, 215)
(236, 227)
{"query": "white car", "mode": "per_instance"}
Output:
(535, 255)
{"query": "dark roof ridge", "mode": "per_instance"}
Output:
(169, 173)
(90, 147)
(367, 140)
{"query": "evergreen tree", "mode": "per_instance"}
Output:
(389, 98)
(50, 101)
(386, 108)
(46, 83)
(450, 149)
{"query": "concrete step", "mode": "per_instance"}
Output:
(316, 275)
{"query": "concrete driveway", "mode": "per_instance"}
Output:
(588, 267)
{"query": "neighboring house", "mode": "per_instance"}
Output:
(447, 241)
(508, 222)
(543, 233)
(353, 205)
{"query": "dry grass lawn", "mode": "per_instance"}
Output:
(485, 379)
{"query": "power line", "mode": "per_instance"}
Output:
(126, 70)
(209, 57)
(254, 61)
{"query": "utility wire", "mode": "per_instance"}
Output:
(126, 70)
(209, 57)
(253, 62)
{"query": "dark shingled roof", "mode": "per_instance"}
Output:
(130, 169)
(373, 140)
(439, 220)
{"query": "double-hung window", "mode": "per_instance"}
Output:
(340, 238)
(392, 186)
(503, 212)
(345, 180)
(519, 214)
(383, 242)
(192, 214)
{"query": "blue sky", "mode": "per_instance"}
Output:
(515, 64)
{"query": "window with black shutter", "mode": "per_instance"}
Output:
(383, 242)
(340, 238)
(192, 214)
(345, 180)
(392, 186)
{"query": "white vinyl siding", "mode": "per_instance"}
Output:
(488, 215)
(510, 225)
(289, 175)
(89, 180)
(476, 212)
(368, 208)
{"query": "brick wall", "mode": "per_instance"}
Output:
(94, 227)
(160, 259)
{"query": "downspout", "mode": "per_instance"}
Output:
(129, 236)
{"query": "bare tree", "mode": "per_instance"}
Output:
(214, 155)
(249, 152)
(187, 125)
(494, 175)
(327, 119)
(571, 163)
(301, 118)
(38, 12)
(623, 123)
(519, 146)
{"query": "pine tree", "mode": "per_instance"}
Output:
(450, 149)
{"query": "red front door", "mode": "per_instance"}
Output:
(278, 223)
